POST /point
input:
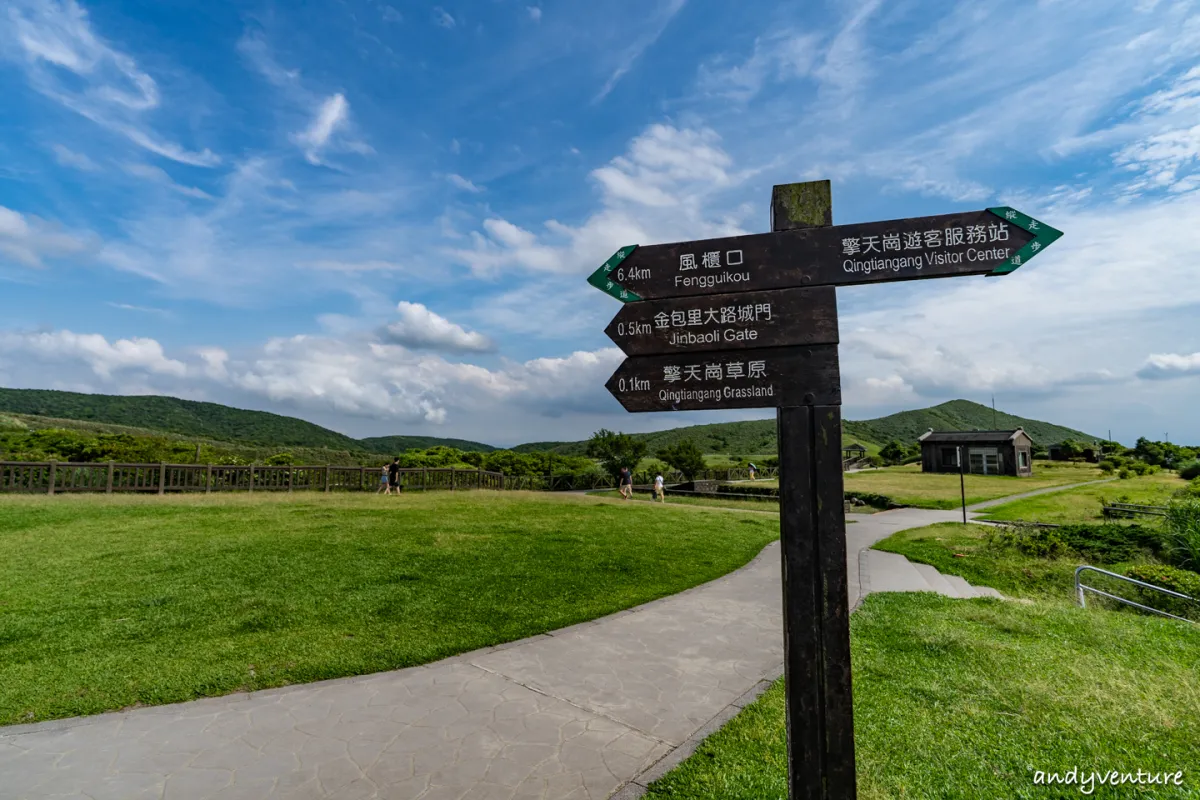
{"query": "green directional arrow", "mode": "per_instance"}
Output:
(1043, 237)
(602, 278)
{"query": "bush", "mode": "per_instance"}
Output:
(281, 460)
(873, 500)
(763, 491)
(1100, 544)
(875, 460)
(685, 457)
(1177, 580)
(615, 450)
(1181, 533)
(1107, 466)
(1124, 474)
(1190, 471)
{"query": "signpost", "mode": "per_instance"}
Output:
(751, 322)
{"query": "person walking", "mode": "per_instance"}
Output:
(383, 481)
(626, 482)
(753, 471)
(393, 473)
(659, 494)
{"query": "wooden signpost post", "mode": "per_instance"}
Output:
(751, 322)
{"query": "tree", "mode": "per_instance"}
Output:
(685, 457)
(615, 450)
(893, 453)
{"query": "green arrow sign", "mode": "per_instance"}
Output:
(603, 281)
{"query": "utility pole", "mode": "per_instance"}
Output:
(994, 413)
(962, 484)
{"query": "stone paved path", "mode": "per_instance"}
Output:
(575, 715)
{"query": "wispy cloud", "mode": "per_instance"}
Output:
(69, 158)
(29, 240)
(332, 114)
(1162, 366)
(781, 55)
(420, 328)
(654, 29)
(159, 176)
(535, 13)
(442, 18)
(159, 312)
(65, 60)
(463, 183)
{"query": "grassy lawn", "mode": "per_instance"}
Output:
(967, 699)
(911, 487)
(108, 602)
(687, 500)
(1083, 504)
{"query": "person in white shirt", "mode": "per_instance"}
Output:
(658, 488)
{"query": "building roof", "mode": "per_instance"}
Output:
(855, 446)
(970, 437)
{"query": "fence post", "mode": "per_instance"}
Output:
(108, 487)
(424, 479)
(327, 477)
(162, 476)
(208, 479)
(53, 469)
(291, 477)
(362, 477)
(251, 478)
(479, 479)
(452, 473)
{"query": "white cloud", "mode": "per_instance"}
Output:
(442, 18)
(69, 158)
(28, 240)
(95, 351)
(1161, 366)
(463, 183)
(535, 13)
(160, 176)
(420, 328)
(781, 55)
(652, 30)
(50, 39)
(332, 113)
(656, 192)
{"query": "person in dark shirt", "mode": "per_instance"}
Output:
(394, 474)
(626, 483)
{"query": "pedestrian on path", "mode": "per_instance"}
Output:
(394, 475)
(753, 471)
(659, 494)
(626, 483)
(383, 481)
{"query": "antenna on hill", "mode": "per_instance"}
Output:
(994, 413)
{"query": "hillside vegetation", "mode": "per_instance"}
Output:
(398, 444)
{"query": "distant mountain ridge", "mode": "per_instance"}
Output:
(757, 437)
(223, 423)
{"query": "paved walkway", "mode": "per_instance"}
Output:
(574, 715)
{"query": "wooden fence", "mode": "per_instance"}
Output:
(51, 477)
(59, 477)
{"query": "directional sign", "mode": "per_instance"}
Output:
(760, 378)
(995, 241)
(727, 322)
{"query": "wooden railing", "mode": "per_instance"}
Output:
(62, 477)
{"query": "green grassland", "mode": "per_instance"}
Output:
(109, 602)
(909, 486)
(966, 699)
(1084, 504)
(746, 504)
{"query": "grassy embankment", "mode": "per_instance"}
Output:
(1084, 504)
(108, 602)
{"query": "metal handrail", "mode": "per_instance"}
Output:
(1080, 589)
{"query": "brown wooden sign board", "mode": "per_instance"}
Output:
(762, 378)
(778, 318)
(947, 245)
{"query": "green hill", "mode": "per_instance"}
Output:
(172, 415)
(957, 415)
(398, 444)
(757, 437)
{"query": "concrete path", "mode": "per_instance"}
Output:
(583, 713)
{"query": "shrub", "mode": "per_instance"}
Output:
(685, 457)
(1107, 466)
(1190, 471)
(1177, 580)
(615, 450)
(1100, 544)
(1181, 533)
(281, 460)
(869, 499)
(875, 460)
(1124, 474)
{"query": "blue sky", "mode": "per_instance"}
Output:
(379, 216)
